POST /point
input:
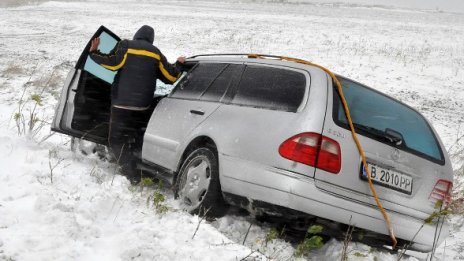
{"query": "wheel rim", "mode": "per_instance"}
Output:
(196, 178)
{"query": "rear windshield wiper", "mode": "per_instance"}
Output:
(389, 135)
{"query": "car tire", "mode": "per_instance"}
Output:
(198, 187)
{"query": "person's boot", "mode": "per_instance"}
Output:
(133, 175)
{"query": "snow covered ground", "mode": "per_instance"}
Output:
(56, 204)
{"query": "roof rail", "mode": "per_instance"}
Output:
(257, 56)
(249, 55)
(219, 54)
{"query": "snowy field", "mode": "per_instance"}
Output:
(56, 204)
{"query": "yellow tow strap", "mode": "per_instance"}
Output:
(353, 133)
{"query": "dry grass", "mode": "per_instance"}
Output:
(13, 3)
(13, 69)
(456, 152)
(457, 205)
(51, 82)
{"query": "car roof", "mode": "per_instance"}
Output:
(255, 58)
(284, 61)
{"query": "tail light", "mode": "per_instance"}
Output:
(314, 150)
(442, 191)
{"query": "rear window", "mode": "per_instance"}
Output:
(375, 115)
(271, 88)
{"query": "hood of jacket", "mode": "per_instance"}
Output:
(145, 33)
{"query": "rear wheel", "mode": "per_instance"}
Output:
(198, 187)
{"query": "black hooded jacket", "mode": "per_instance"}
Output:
(139, 64)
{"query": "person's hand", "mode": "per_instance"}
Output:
(94, 44)
(181, 59)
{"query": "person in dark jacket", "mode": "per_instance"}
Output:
(138, 64)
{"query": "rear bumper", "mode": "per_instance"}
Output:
(297, 192)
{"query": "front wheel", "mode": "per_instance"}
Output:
(198, 187)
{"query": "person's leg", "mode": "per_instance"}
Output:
(139, 130)
(121, 141)
(139, 124)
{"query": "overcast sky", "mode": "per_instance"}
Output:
(444, 5)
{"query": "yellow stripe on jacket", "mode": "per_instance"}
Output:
(142, 53)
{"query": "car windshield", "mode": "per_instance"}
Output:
(386, 120)
(163, 88)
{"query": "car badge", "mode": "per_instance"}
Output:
(395, 155)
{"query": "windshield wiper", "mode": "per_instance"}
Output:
(389, 135)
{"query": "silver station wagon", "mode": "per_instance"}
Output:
(271, 136)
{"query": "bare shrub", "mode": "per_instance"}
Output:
(347, 241)
(97, 174)
(27, 117)
(53, 81)
(53, 162)
(457, 204)
(456, 152)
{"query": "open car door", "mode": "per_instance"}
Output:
(84, 107)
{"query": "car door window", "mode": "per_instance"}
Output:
(226, 80)
(271, 88)
(197, 81)
(86, 112)
(107, 44)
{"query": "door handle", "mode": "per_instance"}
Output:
(197, 112)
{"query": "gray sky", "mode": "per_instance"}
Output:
(444, 5)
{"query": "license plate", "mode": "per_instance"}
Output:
(388, 178)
